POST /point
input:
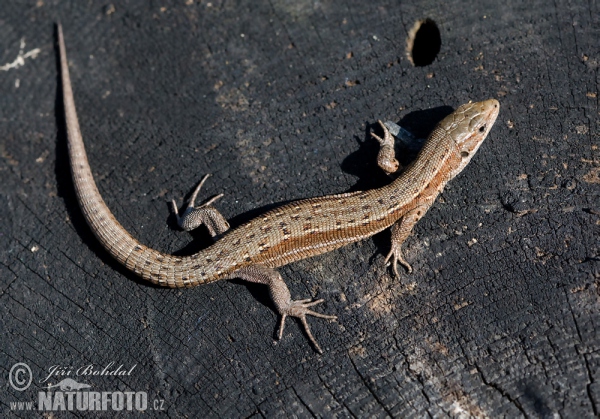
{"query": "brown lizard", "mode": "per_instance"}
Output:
(296, 230)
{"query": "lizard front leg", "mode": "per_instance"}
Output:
(206, 214)
(400, 231)
(280, 294)
(386, 158)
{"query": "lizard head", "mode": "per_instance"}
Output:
(471, 123)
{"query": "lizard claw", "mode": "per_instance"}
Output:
(300, 309)
(397, 257)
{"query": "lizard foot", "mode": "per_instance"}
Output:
(300, 309)
(280, 294)
(397, 257)
(193, 217)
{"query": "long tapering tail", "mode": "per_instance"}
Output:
(151, 265)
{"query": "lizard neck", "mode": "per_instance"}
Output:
(427, 175)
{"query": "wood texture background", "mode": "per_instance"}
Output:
(275, 99)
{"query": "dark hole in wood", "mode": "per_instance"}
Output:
(424, 42)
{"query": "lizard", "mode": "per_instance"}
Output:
(293, 231)
(69, 384)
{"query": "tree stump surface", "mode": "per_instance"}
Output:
(276, 100)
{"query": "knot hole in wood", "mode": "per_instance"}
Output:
(423, 43)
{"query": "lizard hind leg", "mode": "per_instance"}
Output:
(280, 294)
(193, 217)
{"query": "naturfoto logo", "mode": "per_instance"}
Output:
(61, 392)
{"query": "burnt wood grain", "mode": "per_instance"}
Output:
(276, 100)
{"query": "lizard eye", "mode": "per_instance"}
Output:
(482, 128)
(464, 154)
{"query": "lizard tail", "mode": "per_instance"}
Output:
(152, 265)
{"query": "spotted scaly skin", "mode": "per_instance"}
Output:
(294, 231)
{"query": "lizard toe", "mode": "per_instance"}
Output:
(300, 309)
(397, 257)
